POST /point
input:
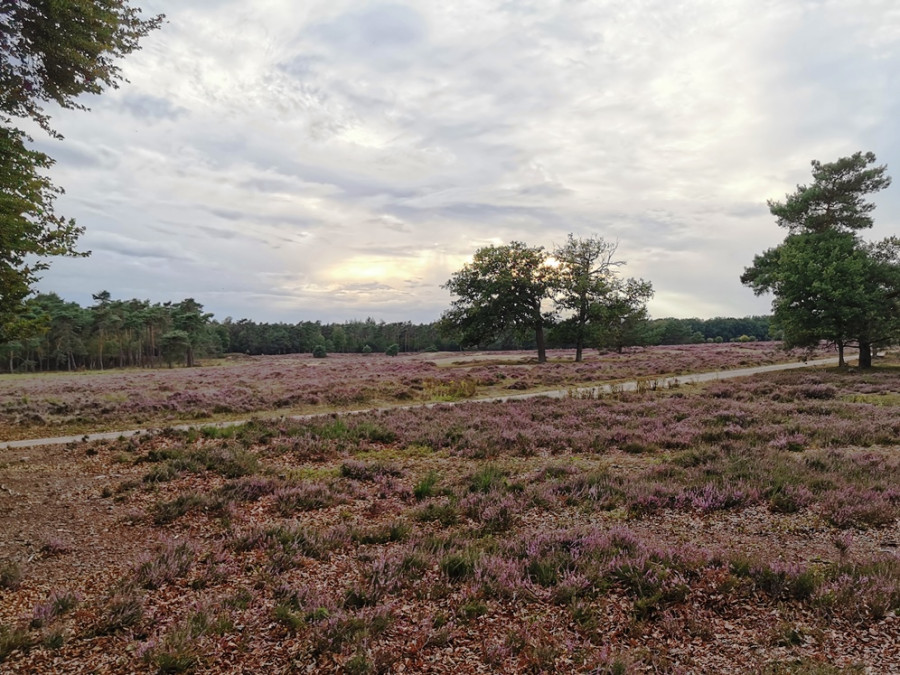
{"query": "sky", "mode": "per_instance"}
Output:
(288, 161)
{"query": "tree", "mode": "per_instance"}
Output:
(188, 318)
(601, 303)
(622, 319)
(828, 283)
(50, 52)
(504, 287)
(583, 282)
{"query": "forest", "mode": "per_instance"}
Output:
(135, 333)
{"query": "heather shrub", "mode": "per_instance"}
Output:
(10, 574)
(13, 639)
(176, 652)
(123, 608)
(172, 560)
(290, 540)
(231, 461)
(499, 576)
(861, 591)
(248, 488)
(494, 510)
(444, 512)
(306, 496)
(382, 534)
(334, 633)
(56, 605)
(603, 490)
(166, 512)
(780, 579)
(854, 507)
(54, 547)
(790, 499)
(369, 471)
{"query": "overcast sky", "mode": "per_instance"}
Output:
(283, 161)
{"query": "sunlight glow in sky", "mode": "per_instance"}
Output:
(286, 161)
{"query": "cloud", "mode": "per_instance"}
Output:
(342, 159)
(152, 107)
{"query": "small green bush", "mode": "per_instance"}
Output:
(366, 349)
(319, 352)
(425, 487)
(393, 350)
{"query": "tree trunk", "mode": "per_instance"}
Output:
(578, 347)
(542, 349)
(840, 346)
(865, 354)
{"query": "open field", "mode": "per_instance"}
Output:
(74, 403)
(740, 526)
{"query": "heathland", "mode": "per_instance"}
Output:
(748, 525)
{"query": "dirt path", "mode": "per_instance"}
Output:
(631, 385)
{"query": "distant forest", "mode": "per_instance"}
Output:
(59, 335)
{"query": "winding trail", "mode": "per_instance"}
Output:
(631, 385)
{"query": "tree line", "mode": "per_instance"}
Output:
(60, 335)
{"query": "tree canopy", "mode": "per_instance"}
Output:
(503, 287)
(50, 52)
(517, 287)
(601, 306)
(828, 283)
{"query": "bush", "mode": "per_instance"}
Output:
(10, 575)
(319, 352)
(393, 350)
(366, 349)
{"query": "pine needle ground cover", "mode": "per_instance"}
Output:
(74, 403)
(741, 526)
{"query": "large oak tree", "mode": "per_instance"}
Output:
(504, 287)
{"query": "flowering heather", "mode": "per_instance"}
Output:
(300, 383)
(755, 521)
(171, 561)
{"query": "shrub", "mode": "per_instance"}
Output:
(170, 511)
(176, 653)
(362, 471)
(123, 608)
(392, 350)
(10, 575)
(12, 639)
(173, 560)
(458, 565)
(56, 605)
(307, 496)
(425, 487)
(366, 349)
(852, 507)
(319, 352)
(446, 513)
